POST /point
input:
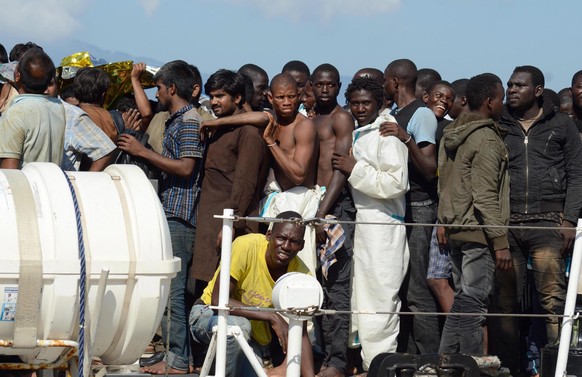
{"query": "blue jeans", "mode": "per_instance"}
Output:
(203, 319)
(473, 272)
(182, 236)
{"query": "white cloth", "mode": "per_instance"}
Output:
(378, 184)
(301, 200)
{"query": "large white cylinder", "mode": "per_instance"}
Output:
(125, 231)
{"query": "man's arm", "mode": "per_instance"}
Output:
(573, 203)
(486, 199)
(87, 138)
(253, 118)
(296, 167)
(101, 163)
(386, 179)
(9, 163)
(277, 322)
(424, 154)
(252, 153)
(343, 126)
(182, 167)
(141, 99)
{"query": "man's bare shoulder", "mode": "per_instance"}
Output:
(304, 122)
(342, 115)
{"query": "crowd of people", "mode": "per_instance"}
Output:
(465, 160)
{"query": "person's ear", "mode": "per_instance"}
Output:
(463, 101)
(270, 96)
(237, 99)
(196, 91)
(539, 90)
(425, 97)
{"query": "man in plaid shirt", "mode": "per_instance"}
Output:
(180, 166)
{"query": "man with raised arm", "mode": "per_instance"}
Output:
(180, 166)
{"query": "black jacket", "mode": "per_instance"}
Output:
(545, 164)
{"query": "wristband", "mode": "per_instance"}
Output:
(408, 140)
(271, 145)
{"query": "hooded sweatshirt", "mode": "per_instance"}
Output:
(473, 181)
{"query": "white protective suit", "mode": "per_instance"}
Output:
(378, 183)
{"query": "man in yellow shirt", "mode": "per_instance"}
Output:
(257, 262)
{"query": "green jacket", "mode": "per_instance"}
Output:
(473, 181)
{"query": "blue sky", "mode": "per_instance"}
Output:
(459, 38)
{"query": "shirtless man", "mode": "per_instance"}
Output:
(334, 129)
(292, 139)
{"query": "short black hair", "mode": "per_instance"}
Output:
(231, 82)
(551, 96)
(480, 88)
(67, 92)
(296, 66)
(404, 70)
(368, 84)
(326, 67)
(292, 216)
(575, 77)
(3, 54)
(19, 49)
(36, 70)
(439, 82)
(90, 85)
(252, 70)
(537, 77)
(460, 87)
(124, 103)
(197, 76)
(179, 74)
(425, 77)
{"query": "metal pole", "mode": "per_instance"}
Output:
(224, 294)
(294, 343)
(570, 306)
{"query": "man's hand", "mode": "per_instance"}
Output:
(270, 130)
(281, 329)
(568, 233)
(393, 129)
(132, 119)
(442, 238)
(503, 260)
(130, 144)
(320, 235)
(344, 163)
(137, 70)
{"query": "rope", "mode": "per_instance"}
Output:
(314, 311)
(82, 278)
(315, 221)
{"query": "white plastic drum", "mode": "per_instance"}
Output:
(125, 231)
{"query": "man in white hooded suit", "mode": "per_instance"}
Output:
(378, 176)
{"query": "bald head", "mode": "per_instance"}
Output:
(372, 73)
(35, 71)
(404, 70)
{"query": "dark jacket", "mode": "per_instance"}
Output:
(545, 164)
(473, 181)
